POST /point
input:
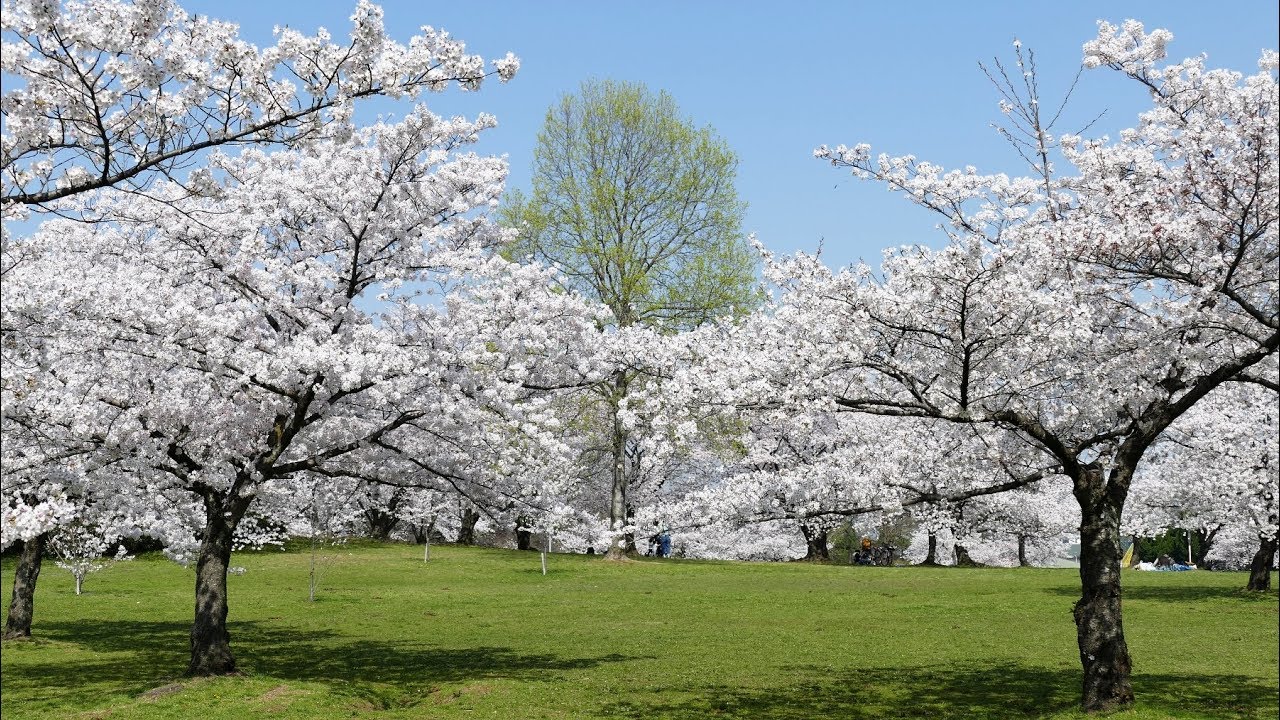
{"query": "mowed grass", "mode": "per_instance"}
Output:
(482, 633)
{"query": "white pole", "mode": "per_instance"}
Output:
(546, 549)
(426, 545)
(311, 584)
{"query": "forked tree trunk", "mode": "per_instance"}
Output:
(962, 556)
(816, 542)
(467, 532)
(931, 558)
(22, 605)
(210, 641)
(1204, 543)
(1260, 568)
(1104, 655)
(1022, 552)
(381, 523)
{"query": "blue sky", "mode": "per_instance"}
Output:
(778, 79)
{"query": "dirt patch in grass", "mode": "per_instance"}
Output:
(445, 697)
(278, 698)
(275, 693)
(157, 693)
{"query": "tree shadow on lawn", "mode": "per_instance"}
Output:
(1176, 593)
(147, 654)
(937, 692)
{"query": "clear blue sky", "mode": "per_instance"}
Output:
(778, 79)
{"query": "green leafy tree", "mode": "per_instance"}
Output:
(638, 208)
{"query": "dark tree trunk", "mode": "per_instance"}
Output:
(428, 533)
(1137, 552)
(962, 557)
(816, 542)
(1104, 655)
(467, 533)
(210, 641)
(383, 520)
(1259, 569)
(381, 523)
(629, 538)
(931, 558)
(22, 606)
(524, 538)
(1203, 544)
(1022, 552)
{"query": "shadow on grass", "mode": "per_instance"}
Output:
(1179, 593)
(143, 655)
(1007, 691)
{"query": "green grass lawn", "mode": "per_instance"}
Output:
(481, 633)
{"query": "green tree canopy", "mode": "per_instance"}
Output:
(638, 207)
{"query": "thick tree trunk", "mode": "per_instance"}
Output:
(816, 542)
(210, 641)
(618, 518)
(1022, 552)
(931, 558)
(629, 537)
(524, 538)
(381, 523)
(1137, 549)
(962, 556)
(383, 520)
(1104, 655)
(22, 605)
(1260, 568)
(467, 531)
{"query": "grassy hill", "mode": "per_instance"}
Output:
(482, 633)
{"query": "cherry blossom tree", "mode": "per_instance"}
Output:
(1084, 313)
(1022, 527)
(1071, 318)
(30, 516)
(114, 94)
(637, 205)
(1216, 467)
(803, 462)
(81, 549)
(240, 311)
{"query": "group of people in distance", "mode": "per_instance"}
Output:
(660, 543)
(869, 554)
(1166, 564)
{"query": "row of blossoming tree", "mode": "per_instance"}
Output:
(238, 302)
